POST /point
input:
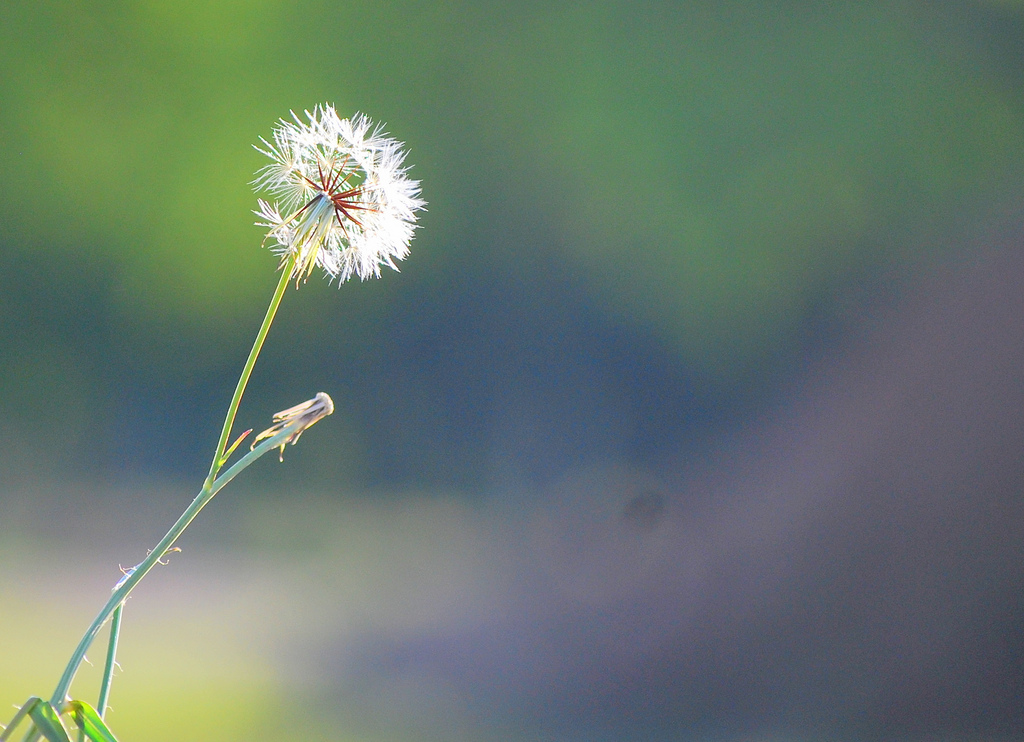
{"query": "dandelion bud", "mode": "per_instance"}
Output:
(297, 419)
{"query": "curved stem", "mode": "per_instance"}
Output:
(134, 576)
(211, 486)
(229, 419)
(108, 668)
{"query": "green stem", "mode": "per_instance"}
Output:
(108, 668)
(229, 419)
(134, 577)
(211, 487)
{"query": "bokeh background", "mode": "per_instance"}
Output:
(694, 414)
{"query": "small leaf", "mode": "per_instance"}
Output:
(231, 449)
(90, 723)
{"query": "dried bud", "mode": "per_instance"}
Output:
(297, 419)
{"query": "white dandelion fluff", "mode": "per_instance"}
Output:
(341, 196)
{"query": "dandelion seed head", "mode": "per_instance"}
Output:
(340, 196)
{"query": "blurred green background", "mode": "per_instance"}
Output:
(646, 221)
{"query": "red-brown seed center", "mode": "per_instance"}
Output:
(334, 184)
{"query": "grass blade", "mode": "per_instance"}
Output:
(89, 721)
(48, 723)
(25, 710)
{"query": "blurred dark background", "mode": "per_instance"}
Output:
(693, 414)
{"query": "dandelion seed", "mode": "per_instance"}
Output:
(343, 199)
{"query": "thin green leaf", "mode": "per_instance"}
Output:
(25, 710)
(89, 721)
(108, 668)
(48, 723)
